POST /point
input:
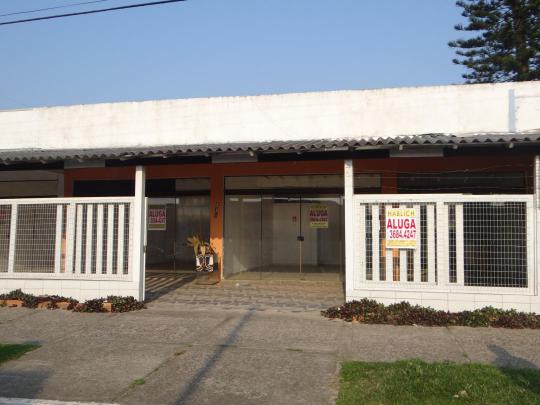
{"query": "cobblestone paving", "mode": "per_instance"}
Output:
(290, 295)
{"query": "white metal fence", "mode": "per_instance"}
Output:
(482, 244)
(67, 238)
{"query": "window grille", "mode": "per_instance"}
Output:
(36, 239)
(495, 244)
(5, 223)
(80, 238)
(462, 241)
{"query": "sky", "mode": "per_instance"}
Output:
(203, 48)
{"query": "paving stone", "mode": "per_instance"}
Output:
(261, 294)
(261, 343)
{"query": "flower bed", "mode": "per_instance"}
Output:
(403, 313)
(113, 303)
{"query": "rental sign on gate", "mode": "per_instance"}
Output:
(401, 228)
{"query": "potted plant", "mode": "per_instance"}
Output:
(204, 254)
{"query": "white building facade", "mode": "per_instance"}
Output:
(427, 194)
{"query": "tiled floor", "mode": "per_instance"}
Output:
(307, 273)
(287, 295)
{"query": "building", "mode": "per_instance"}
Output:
(282, 186)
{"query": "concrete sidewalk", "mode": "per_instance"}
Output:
(240, 356)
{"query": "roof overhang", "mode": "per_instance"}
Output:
(322, 145)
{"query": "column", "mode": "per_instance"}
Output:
(348, 177)
(139, 231)
(217, 190)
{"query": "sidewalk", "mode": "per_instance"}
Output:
(186, 354)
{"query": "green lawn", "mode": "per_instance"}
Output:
(415, 381)
(11, 351)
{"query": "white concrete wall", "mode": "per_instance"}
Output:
(457, 109)
(79, 289)
(453, 301)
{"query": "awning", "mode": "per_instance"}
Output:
(320, 145)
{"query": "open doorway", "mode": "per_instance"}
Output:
(287, 227)
(284, 237)
(171, 220)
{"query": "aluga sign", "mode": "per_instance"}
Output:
(401, 228)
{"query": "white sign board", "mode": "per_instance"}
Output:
(157, 217)
(318, 216)
(401, 228)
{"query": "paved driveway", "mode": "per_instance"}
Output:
(287, 295)
(203, 354)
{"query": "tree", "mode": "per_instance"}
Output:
(507, 47)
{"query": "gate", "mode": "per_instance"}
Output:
(462, 244)
(75, 247)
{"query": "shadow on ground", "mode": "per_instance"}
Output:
(21, 384)
(522, 372)
(157, 285)
(194, 383)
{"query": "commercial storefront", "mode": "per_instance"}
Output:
(264, 181)
(280, 220)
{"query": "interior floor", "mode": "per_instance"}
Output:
(171, 267)
(291, 272)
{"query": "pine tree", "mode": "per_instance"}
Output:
(507, 47)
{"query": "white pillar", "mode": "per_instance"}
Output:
(536, 227)
(537, 181)
(348, 177)
(511, 110)
(12, 238)
(139, 231)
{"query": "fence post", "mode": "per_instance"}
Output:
(375, 239)
(70, 238)
(536, 206)
(58, 238)
(537, 181)
(99, 239)
(78, 238)
(139, 231)
(359, 232)
(442, 244)
(348, 177)
(460, 244)
(12, 238)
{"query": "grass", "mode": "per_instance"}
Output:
(418, 382)
(13, 351)
(138, 381)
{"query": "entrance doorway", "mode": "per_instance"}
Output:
(304, 235)
(284, 237)
(287, 226)
(171, 220)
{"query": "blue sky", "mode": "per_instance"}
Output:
(201, 48)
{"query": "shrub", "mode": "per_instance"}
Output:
(118, 303)
(55, 299)
(95, 305)
(13, 295)
(403, 313)
(31, 301)
(124, 304)
(28, 300)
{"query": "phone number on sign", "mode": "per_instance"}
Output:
(401, 234)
